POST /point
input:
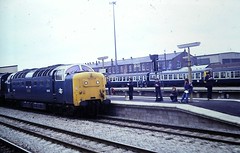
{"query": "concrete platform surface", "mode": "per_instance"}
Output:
(224, 110)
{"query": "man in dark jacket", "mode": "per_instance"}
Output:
(209, 85)
(130, 89)
(158, 91)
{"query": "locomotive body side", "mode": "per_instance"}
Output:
(54, 87)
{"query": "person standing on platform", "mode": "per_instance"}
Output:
(209, 85)
(109, 86)
(187, 90)
(130, 89)
(158, 91)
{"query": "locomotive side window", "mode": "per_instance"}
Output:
(59, 75)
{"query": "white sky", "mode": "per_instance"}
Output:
(45, 32)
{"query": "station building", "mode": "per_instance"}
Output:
(220, 58)
(9, 69)
(169, 61)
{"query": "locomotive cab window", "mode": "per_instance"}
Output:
(86, 68)
(59, 75)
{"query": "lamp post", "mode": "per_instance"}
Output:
(114, 28)
(184, 46)
(102, 59)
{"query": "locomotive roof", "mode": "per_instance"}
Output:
(48, 71)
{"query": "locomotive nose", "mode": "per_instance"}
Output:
(91, 87)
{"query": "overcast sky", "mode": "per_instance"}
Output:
(37, 33)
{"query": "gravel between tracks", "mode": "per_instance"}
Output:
(156, 141)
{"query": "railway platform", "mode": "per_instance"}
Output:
(214, 114)
(226, 106)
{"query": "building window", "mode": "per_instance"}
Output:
(143, 67)
(169, 65)
(130, 69)
(178, 64)
(148, 66)
(136, 67)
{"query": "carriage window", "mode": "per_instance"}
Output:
(175, 76)
(116, 78)
(193, 76)
(198, 75)
(134, 78)
(152, 77)
(170, 77)
(120, 78)
(165, 76)
(216, 75)
(180, 76)
(228, 74)
(232, 74)
(237, 74)
(223, 74)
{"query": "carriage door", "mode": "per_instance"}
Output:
(58, 86)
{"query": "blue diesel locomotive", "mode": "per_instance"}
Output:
(62, 88)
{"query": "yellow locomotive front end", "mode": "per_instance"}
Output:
(89, 89)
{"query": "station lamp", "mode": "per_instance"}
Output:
(184, 46)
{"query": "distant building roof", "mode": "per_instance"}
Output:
(218, 54)
(9, 69)
(136, 60)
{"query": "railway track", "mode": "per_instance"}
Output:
(9, 147)
(215, 136)
(68, 139)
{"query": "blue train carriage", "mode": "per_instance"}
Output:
(121, 80)
(168, 78)
(177, 77)
(226, 76)
(59, 88)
